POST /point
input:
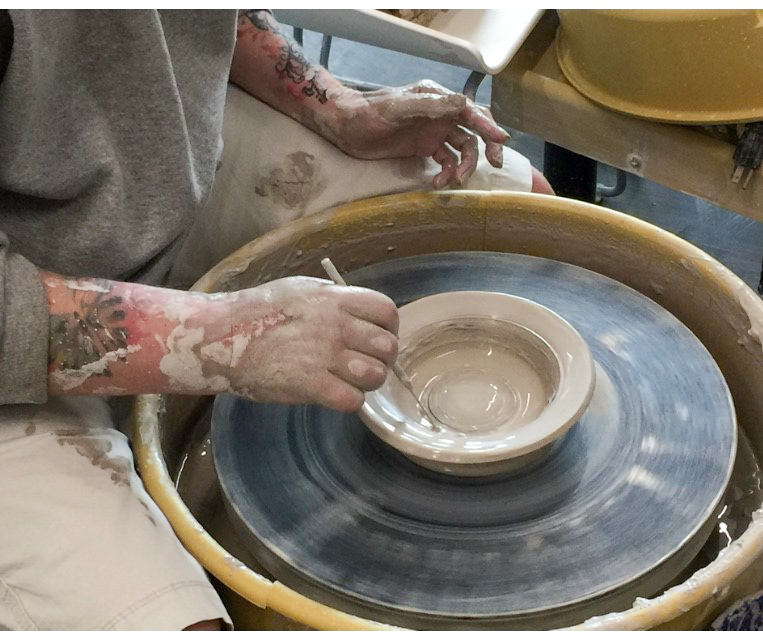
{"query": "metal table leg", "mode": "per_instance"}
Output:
(473, 83)
(325, 51)
(605, 191)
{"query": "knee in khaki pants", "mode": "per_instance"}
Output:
(82, 545)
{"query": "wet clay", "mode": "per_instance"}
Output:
(293, 184)
(743, 496)
(480, 375)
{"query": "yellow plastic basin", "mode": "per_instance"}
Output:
(684, 66)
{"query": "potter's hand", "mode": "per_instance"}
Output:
(422, 119)
(305, 340)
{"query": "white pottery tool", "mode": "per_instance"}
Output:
(335, 276)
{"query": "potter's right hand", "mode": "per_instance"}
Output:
(306, 340)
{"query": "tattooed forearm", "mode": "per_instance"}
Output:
(120, 338)
(295, 66)
(312, 88)
(91, 330)
(262, 20)
(292, 63)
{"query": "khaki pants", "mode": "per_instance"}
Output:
(82, 546)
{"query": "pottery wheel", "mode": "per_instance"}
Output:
(620, 505)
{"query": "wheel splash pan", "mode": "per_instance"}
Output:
(712, 302)
(614, 511)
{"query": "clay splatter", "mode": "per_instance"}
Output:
(293, 183)
(97, 451)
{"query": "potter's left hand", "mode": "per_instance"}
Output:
(423, 119)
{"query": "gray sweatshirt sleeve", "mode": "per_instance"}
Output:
(24, 330)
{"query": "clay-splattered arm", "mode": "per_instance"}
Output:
(292, 340)
(120, 338)
(423, 119)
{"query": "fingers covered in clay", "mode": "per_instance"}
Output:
(423, 119)
(302, 339)
(448, 160)
(466, 144)
(337, 394)
(369, 305)
(361, 371)
(371, 340)
(480, 120)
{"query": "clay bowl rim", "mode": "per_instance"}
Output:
(573, 393)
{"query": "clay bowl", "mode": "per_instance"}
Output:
(500, 383)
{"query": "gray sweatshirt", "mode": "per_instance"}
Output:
(110, 125)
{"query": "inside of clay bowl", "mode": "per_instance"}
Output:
(499, 377)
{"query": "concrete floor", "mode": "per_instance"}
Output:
(734, 240)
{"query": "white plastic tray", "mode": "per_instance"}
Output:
(478, 39)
